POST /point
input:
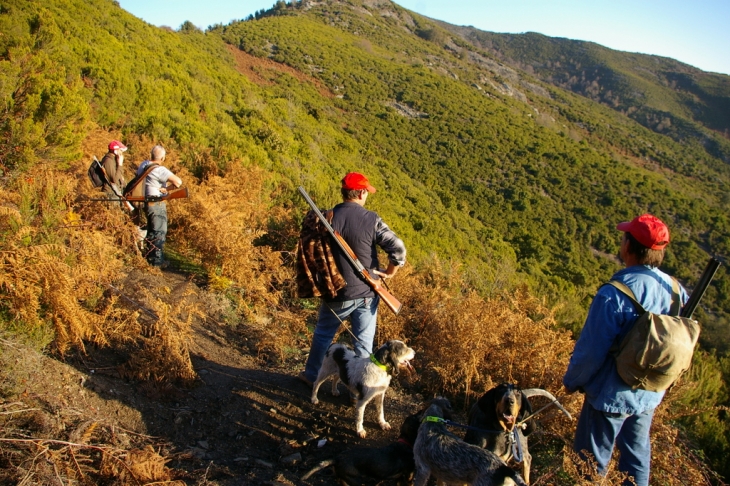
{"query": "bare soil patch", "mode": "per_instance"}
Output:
(261, 71)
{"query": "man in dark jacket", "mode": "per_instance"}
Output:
(364, 231)
(613, 413)
(113, 163)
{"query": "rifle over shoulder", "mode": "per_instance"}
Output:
(377, 285)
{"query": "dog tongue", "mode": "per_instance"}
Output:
(509, 418)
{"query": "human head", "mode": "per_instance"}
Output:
(646, 238)
(354, 184)
(158, 153)
(116, 146)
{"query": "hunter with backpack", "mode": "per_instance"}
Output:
(152, 186)
(621, 390)
(109, 173)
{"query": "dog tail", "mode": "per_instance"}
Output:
(507, 476)
(320, 466)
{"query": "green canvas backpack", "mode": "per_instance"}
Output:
(658, 348)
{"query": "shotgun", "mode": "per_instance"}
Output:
(113, 186)
(179, 193)
(377, 285)
(694, 299)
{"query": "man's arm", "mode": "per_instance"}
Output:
(176, 181)
(393, 247)
(602, 327)
(171, 179)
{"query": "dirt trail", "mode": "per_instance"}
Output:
(242, 423)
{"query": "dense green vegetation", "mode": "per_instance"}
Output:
(549, 177)
(519, 180)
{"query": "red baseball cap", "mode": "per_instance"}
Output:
(648, 230)
(117, 145)
(354, 181)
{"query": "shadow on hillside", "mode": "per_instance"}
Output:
(240, 424)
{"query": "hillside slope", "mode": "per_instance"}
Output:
(662, 94)
(515, 160)
(506, 190)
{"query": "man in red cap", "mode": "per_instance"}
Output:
(613, 413)
(363, 231)
(113, 163)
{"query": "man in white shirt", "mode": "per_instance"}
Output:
(156, 185)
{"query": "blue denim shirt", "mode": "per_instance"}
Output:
(592, 368)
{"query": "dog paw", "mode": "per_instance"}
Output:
(362, 434)
(336, 393)
(385, 425)
(315, 400)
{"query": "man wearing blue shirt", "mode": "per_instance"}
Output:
(613, 413)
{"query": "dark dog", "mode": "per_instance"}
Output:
(500, 417)
(445, 456)
(393, 461)
(367, 378)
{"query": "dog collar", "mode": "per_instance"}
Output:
(431, 418)
(377, 363)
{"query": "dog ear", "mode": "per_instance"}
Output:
(526, 411)
(391, 358)
(488, 404)
(385, 357)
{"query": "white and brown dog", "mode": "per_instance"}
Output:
(366, 378)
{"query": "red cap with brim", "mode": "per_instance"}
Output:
(356, 181)
(648, 230)
(117, 145)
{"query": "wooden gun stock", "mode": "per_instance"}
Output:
(377, 285)
(178, 193)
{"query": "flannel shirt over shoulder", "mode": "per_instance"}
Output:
(317, 272)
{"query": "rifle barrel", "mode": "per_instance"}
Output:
(694, 299)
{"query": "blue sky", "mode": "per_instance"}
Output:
(696, 32)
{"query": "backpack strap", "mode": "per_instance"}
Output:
(137, 180)
(624, 289)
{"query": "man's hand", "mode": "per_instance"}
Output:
(567, 390)
(387, 273)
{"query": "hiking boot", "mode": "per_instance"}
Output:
(302, 377)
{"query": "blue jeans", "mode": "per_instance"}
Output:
(156, 232)
(363, 315)
(597, 432)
